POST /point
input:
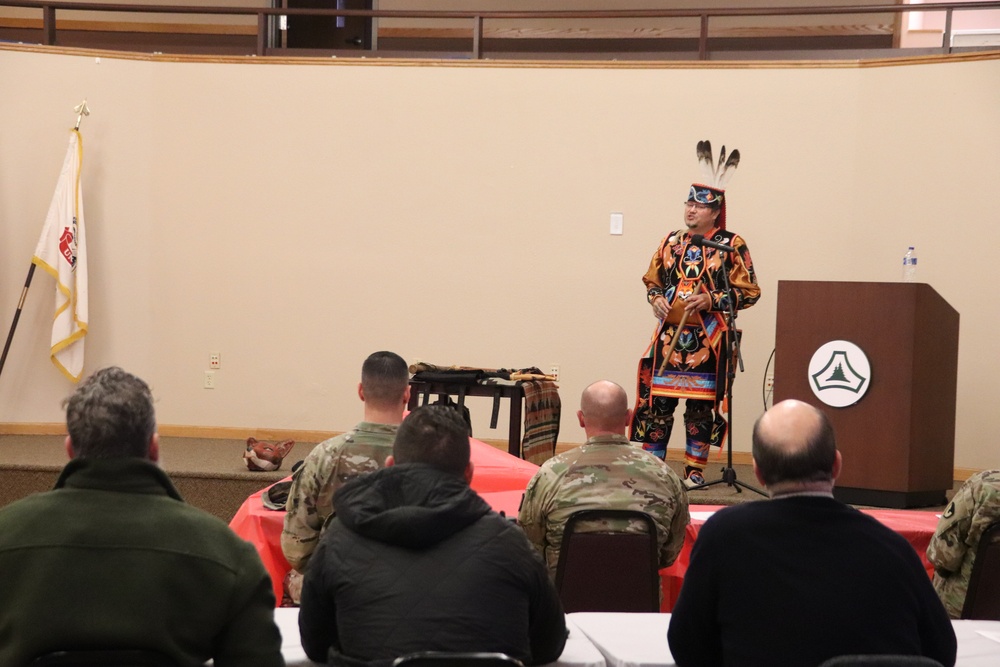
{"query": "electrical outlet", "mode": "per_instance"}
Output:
(769, 384)
(554, 371)
(209, 379)
(214, 360)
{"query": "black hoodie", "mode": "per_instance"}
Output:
(415, 561)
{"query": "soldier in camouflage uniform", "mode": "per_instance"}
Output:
(952, 550)
(385, 390)
(606, 472)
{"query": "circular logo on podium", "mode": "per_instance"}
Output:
(839, 373)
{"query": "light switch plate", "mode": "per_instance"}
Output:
(617, 223)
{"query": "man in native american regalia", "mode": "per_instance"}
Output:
(687, 358)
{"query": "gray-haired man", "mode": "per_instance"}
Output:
(113, 557)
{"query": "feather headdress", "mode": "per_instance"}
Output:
(716, 175)
(714, 178)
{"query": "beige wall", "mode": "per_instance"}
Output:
(297, 217)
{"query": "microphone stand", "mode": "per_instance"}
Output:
(733, 357)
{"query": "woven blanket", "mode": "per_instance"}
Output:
(541, 421)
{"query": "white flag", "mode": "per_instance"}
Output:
(62, 251)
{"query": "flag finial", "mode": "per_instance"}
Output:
(81, 110)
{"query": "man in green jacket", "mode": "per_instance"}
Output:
(113, 558)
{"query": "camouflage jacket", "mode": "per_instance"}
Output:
(606, 472)
(952, 550)
(327, 467)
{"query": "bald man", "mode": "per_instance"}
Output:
(802, 577)
(606, 472)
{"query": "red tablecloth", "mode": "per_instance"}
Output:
(916, 526)
(501, 479)
(498, 477)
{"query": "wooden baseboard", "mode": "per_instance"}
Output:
(962, 474)
(32, 428)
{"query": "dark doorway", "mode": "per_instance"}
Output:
(329, 32)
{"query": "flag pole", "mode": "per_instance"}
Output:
(17, 316)
(81, 110)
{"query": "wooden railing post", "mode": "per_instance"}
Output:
(49, 25)
(263, 23)
(703, 38)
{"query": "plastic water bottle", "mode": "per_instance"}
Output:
(910, 266)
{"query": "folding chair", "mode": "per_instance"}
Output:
(609, 570)
(103, 658)
(881, 661)
(456, 659)
(982, 598)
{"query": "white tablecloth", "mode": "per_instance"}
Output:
(640, 640)
(978, 643)
(579, 651)
(287, 619)
(627, 640)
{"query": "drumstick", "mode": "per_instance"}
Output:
(673, 343)
(680, 327)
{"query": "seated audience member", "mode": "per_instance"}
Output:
(952, 550)
(415, 560)
(113, 557)
(606, 472)
(802, 577)
(384, 390)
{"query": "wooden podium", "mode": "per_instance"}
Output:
(898, 440)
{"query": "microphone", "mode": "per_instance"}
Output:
(698, 239)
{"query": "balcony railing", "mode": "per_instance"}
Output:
(667, 34)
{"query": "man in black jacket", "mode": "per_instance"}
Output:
(801, 578)
(416, 561)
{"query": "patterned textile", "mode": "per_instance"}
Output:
(952, 550)
(541, 400)
(696, 368)
(541, 421)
